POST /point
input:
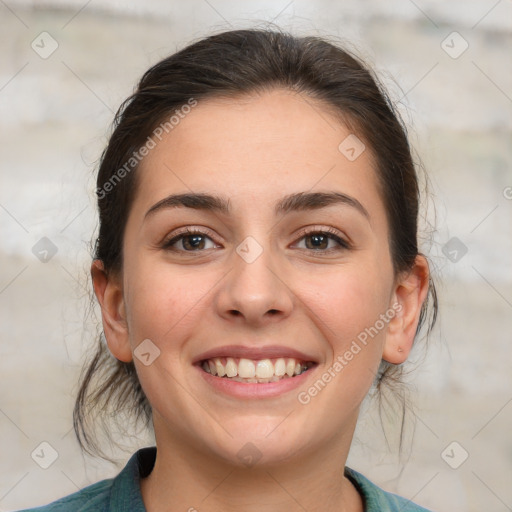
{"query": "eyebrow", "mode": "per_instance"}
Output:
(300, 201)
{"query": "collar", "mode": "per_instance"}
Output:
(126, 494)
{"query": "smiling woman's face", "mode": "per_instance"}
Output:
(262, 281)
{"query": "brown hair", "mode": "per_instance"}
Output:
(230, 64)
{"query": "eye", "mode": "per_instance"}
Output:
(195, 240)
(318, 240)
(190, 240)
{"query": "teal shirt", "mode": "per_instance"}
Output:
(122, 493)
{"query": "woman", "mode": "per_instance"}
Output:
(258, 272)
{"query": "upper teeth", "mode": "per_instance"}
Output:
(262, 369)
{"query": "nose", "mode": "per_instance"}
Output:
(255, 291)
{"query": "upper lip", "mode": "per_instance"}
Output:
(257, 353)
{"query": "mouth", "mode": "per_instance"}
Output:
(246, 372)
(255, 371)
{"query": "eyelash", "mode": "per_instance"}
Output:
(344, 245)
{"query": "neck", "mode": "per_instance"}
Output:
(186, 478)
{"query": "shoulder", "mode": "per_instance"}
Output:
(95, 497)
(110, 495)
(378, 500)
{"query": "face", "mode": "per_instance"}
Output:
(267, 278)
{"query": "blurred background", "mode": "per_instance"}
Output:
(66, 66)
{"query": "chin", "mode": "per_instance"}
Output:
(260, 442)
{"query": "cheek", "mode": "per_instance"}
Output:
(347, 301)
(348, 311)
(163, 301)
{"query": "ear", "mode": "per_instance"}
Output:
(109, 292)
(410, 292)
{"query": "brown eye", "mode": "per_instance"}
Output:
(189, 241)
(192, 242)
(319, 241)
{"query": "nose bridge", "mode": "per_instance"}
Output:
(254, 288)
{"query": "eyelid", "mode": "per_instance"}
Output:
(335, 234)
(188, 230)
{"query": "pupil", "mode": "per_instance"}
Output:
(196, 241)
(318, 239)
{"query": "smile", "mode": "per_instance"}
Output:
(252, 371)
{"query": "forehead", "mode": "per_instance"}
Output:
(258, 148)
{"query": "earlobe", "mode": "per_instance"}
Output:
(108, 291)
(410, 293)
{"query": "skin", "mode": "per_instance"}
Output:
(255, 150)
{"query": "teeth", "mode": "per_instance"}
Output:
(280, 367)
(264, 369)
(231, 368)
(249, 371)
(290, 367)
(219, 367)
(246, 369)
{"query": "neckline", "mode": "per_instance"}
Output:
(142, 462)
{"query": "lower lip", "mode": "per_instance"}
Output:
(255, 390)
